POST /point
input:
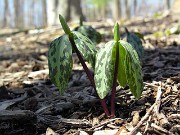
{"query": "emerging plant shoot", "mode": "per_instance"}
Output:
(117, 61)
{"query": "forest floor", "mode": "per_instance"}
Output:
(30, 104)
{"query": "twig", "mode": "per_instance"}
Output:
(175, 128)
(161, 117)
(150, 84)
(142, 120)
(5, 104)
(147, 125)
(158, 100)
(158, 97)
(174, 116)
(167, 98)
(104, 123)
(160, 129)
(75, 122)
(63, 122)
(120, 130)
(19, 115)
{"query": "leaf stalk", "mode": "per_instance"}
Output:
(89, 74)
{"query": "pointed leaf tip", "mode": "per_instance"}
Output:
(116, 32)
(64, 25)
(126, 30)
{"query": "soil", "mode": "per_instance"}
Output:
(30, 104)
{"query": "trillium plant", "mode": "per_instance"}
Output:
(118, 62)
(89, 32)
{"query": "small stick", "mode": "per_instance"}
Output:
(155, 106)
(150, 84)
(133, 132)
(161, 117)
(158, 100)
(147, 125)
(104, 123)
(174, 116)
(162, 130)
(120, 130)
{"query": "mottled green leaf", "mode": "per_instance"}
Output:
(133, 70)
(104, 69)
(86, 47)
(121, 76)
(129, 68)
(136, 42)
(60, 62)
(90, 32)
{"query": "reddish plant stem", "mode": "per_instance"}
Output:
(114, 83)
(90, 76)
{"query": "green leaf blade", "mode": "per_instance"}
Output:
(133, 70)
(104, 69)
(60, 62)
(91, 33)
(121, 76)
(86, 47)
(136, 42)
